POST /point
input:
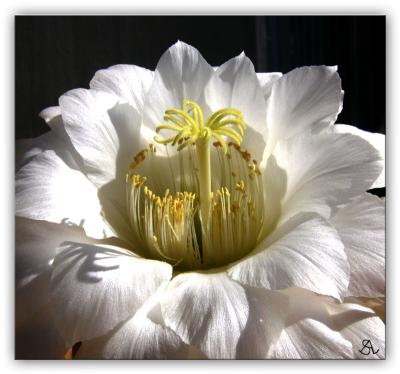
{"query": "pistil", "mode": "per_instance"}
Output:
(177, 217)
(188, 122)
(204, 166)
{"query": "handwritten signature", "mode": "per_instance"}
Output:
(368, 348)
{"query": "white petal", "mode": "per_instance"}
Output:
(310, 339)
(375, 139)
(138, 338)
(36, 336)
(302, 336)
(376, 304)
(22, 149)
(303, 100)
(35, 249)
(94, 288)
(267, 316)
(361, 226)
(115, 213)
(235, 85)
(314, 321)
(324, 171)
(126, 123)
(303, 252)
(47, 189)
(56, 139)
(266, 81)
(50, 113)
(208, 311)
(305, 304)
(105, 133)
(367, 337)
(129, 82)
(181, 73)
(111, 195)
(275, 185)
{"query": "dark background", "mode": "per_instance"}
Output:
(54, 54)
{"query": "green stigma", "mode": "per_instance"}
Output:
(189, 125)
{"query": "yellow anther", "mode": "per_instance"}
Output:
(138, 159)
(240, 186)
(137, 180)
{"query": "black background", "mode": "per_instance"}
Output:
(54, 54)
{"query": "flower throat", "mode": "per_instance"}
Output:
(211, 210)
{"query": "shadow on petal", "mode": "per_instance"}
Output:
(90, 270)
(275, 185)
(112, 195)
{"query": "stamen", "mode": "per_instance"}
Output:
(164, 225)
(220, 219)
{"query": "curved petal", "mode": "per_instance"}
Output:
(267, 316)
(129, 82)
(50, 113)
(305, 304)
(104, 132)
(35, 248)
(235, 85)
(315, 323)
(208, 311)
(324, 171)
(375, 139)
(361, 226)
(275, 187)
(303, 252)
(47, 189)
(266, 81)
(138, 338)
(310, 339)
(367, 337)
(56, 140)
(181, 73)
(304, 99)
(24, 152)
(377, 304)
(94, 288)
(291, 324)
(115, 213)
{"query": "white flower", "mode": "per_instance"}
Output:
(200, 212)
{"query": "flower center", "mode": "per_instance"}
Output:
(203, 206)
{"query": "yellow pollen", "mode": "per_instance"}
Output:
(240, 186)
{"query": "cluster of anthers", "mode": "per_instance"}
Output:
(215, 213)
